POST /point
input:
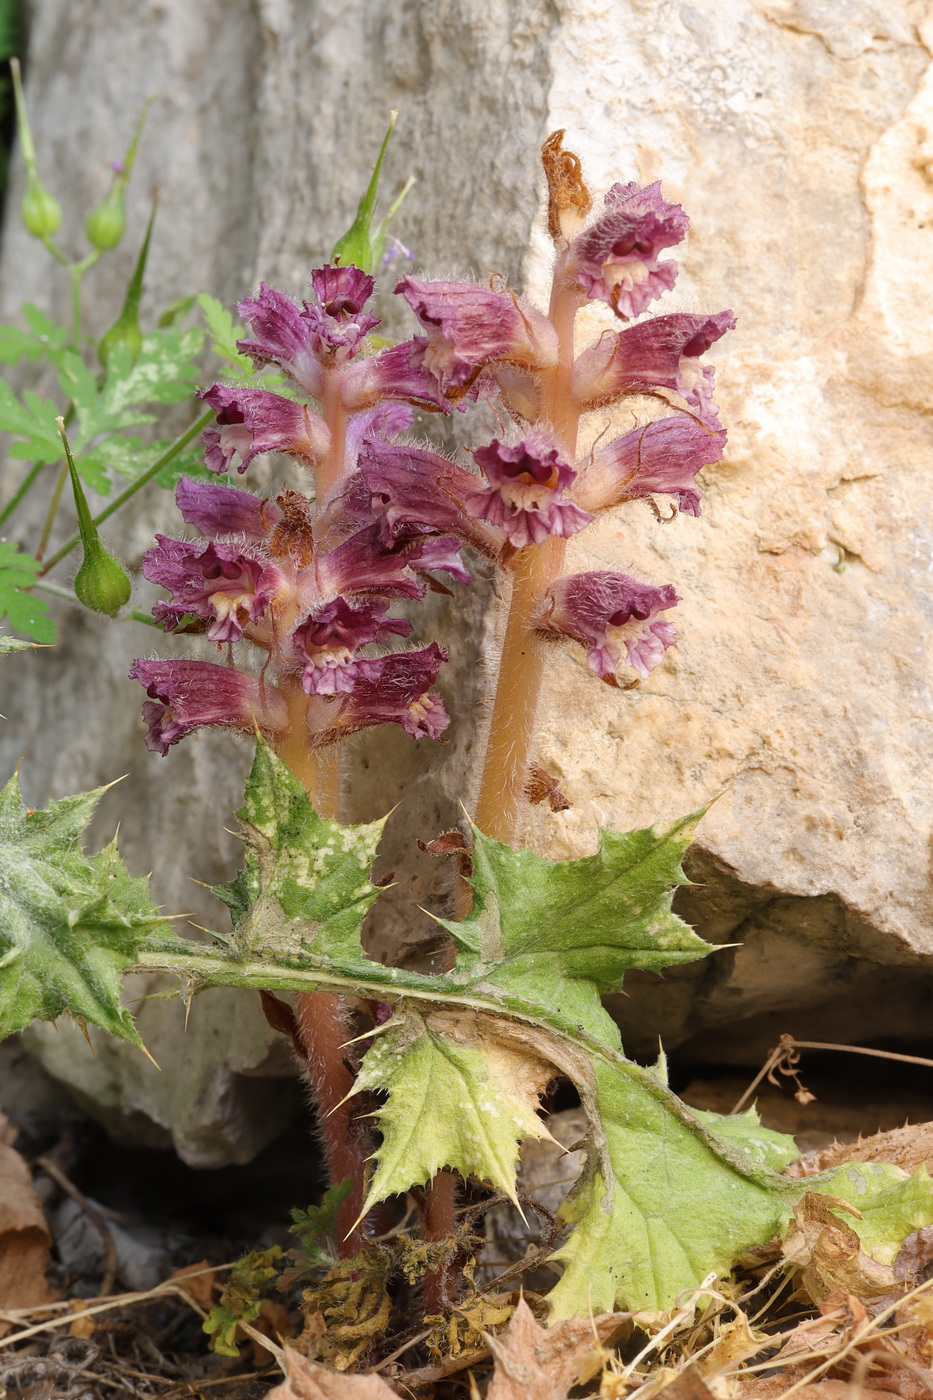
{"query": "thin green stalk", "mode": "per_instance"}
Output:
(167, 456)
(22, 490)
(53, 509)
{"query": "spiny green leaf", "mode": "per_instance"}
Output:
(305, 890)
(25, 612)
(662, 1204)
(559, 933)
(766, 1148)
(69, 923)
(892, 1203)
(459, 1097)
(8, 644)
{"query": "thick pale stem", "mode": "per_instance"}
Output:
(521, 670)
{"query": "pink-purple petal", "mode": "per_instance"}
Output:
(281, 337)
(661, 458)
(224, 510)
(611, 614)
(525, 494)
(660, 353)
(186, 695)
(615, 260)
(253, 421)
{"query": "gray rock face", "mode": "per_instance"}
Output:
(797, 135)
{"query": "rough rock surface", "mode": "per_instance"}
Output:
(799, 136)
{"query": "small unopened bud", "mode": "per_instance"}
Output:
(101, 583)
(106, 224)
(363, 245)
(40, 211)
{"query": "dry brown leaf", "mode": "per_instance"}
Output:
(829, 1255)
(773, 1387)
(24, 1237)
(306, 1380)
(908, 1147)
(542, 1363)
(736, 1341)
(201, 1286)
(83, 1325)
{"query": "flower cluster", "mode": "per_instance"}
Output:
(309, 581)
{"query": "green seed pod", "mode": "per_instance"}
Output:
(122, 332)
(40, 211)
(101, 583)
(106, 224)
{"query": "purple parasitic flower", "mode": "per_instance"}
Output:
(400, 694)
(411, 489)
(252, 421)
(525, 492)
(469, 327)
(224, 510)
(188, 694)
(660, 458)
(281, 338)
(337, 322)
(328, 640)
(615, 260)
(400, 372)
(362, 564)
(662, 353)
(609, 614)
(224, 580)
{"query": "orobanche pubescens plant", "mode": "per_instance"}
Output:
(437, 1078)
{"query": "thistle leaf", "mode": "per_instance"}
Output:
(70, 924)
(305, 890)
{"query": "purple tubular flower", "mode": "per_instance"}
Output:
(224, 510)
(337, 323)
(610, 613)
(411, 489)
(362, 564)
(327, 640)
(525, 492)
(662, 353)
(188, 694)
(399, 694)
(252, 421)
(282, 338)
(661, 458)
(225, 581)
(401, 372)
(615, 260)
(468, 327)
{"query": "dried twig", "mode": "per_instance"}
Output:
(95, 1217)
(785, 1054)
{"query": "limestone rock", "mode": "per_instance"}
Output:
(799, 136)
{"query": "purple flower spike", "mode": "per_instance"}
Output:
(400, 694)
(281, 338)
(224, 510)
(659, 459)
(525, 493)
(337, 323)
(662, 353)
(468, 327)
(610, 613)
(327, 641)
(615, 260)
(252, 421)
(188, 694)
(224, 581)
(362, 564)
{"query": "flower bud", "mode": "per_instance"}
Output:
(106, 224)
(101, 583)
(40, 211)
(125, 329)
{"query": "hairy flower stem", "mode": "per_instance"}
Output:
(521, 670)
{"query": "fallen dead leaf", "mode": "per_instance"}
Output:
(908, 1147)
(773, 1387)
(306, 1380)
(24, 1237)
(543, 1363)
(829, 1254)
(201, 1286)
(84, 1325)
